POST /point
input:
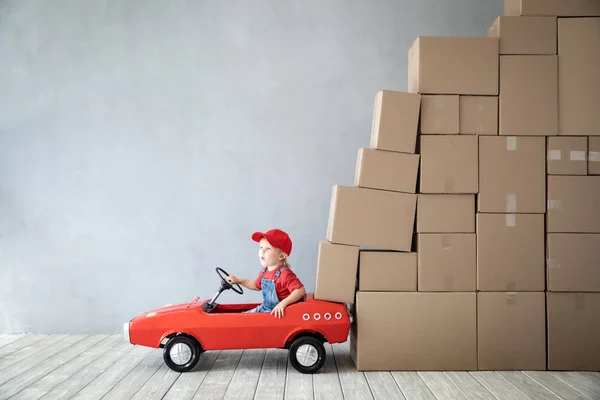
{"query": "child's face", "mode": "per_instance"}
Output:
(269, 256)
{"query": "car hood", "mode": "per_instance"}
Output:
(169, 308)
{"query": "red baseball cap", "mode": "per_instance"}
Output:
(277, 238)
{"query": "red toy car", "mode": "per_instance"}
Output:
(184, 331)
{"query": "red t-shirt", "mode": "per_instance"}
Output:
(284, 285)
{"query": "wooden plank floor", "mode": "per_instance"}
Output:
(105, 367)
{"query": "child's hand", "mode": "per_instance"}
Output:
(278, 310)
(234, 280)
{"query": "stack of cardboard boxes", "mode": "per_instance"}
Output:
(471, 238)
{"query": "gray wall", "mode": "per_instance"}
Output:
(142, 142)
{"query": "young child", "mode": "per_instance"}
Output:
(279, 284)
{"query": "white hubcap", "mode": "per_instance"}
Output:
(180, 353)
(307, 355)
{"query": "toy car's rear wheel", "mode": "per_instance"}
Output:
(307, 354)
(181, 353)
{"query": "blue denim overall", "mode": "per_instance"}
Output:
(269, 293)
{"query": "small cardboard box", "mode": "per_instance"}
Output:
(337, 267)
(511, 331)
(573, 204)
(449, 164)
(573, 262)
(573, 331)
(439, 114)
(594, 155)
(561, 8)
(387, 271)
(395, 121)
(387, 170)
(447, 262)
(510, 253)
(453, 65)
(478, 115)
(414, 332)
(525, 35)
(567, 155)
(446, 213)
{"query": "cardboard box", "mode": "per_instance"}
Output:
(447, 262)
(528, 104)
(573, 204)
(567, 155)
(413, 332)
(573, 331)
(453, 65)
(573, 262)
(395, 121)
(449, 164)
(478, 115)
(510, 253)
(578, 77)
(446, 213)
(387, 170)
(594, 156)
(512, 174)
(525, 35)
(337, 267)
(439, 114)
(371, 218)
(561, 8)
(387, 271)
(511, 331)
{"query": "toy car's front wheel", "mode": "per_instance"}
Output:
(181, 353)
(307, 354)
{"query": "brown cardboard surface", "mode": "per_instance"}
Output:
(578, 77)
(449, 164)
(573, 331)
(561, 8)
(573, 262)
(573, 204)
(337, 267)
(447, 262)
(453, 65)
(478, 115)
(567, 155)
(511, 331)
(594, 155)
(512, 174)
(446, 213)
(510, 253)
(371, 218)
(395, 121)
(387, 170)
(525, 35)
(412, 332)
(528, 104)
(387, 271)
(439, 114)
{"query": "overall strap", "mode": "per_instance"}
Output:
(279, 272)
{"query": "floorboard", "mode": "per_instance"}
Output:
(326, 382)
(556, 386)
(354, 383)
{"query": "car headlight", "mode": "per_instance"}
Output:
(126, 332)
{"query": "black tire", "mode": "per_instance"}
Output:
(186, 344)
(307, 354)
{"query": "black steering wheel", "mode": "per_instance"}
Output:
(225, 283)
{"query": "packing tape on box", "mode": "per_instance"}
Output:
(511, 143)
(511, 298)
(511, 286)
(552, 263)
(511, 220)
(594, 156)
(554, 154)
(449, 184)
(555, 205)
(579, 301)
(445, 242)
(576, 155)
(511, 203)
(448, 283)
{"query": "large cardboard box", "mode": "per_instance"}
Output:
(528, 104)
(594, 155)
(511, 331)
(446, 213)
(387, 170)
(573, 204)
(478, 115)
(371, 218)
(337, 267)
(510, 253)
(447, 262)
(387, 271)
(525, 35)
(578, 77)
(573, 331)
(561, 8)
(395, 121)
(449, 164)
(573, 262)
(453, 65)
(414, 332)
(512, 174)
(567, 155)
(439, 114)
